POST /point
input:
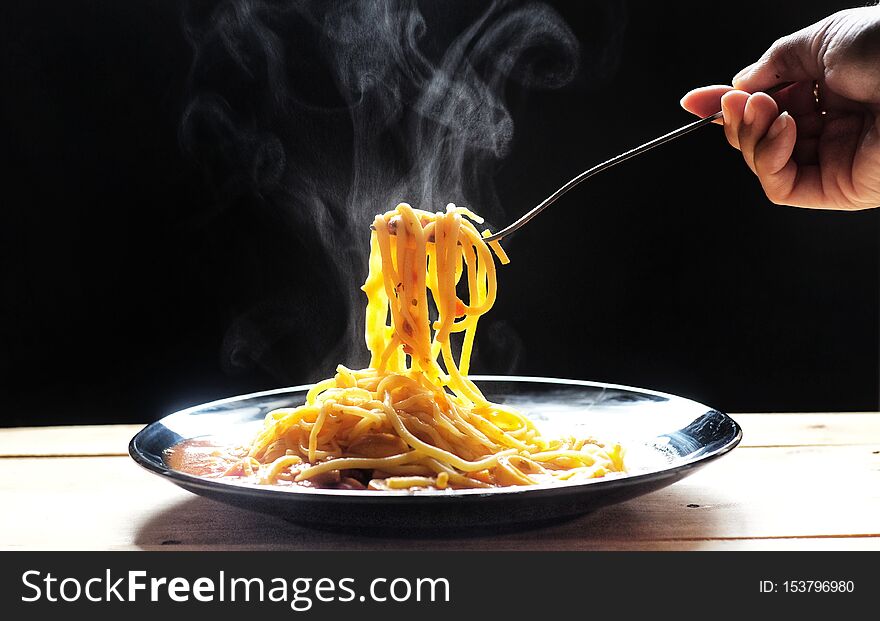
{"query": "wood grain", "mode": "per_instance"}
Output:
(851, 428)
(67, 441)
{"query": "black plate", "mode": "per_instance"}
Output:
(666, 438)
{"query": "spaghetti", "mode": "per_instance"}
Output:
(413, 419)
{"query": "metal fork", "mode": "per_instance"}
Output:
(681, 131)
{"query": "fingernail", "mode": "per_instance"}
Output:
(686, 95)
(779, 124)
(749, 112)
(742, 73)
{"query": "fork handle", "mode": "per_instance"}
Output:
(681, 131)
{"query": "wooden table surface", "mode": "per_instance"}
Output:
(797, 482)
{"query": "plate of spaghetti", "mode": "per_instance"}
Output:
(414, 440)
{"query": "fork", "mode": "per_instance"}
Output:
(681, 131)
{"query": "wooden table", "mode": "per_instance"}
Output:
(797, 482)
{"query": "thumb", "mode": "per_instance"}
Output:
(793, 58)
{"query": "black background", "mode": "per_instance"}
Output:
(132, 286)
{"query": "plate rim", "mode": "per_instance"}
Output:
(407, 496)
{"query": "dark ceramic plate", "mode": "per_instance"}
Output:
(666, 438)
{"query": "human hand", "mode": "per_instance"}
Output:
(823, 150)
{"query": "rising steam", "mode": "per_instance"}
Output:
(328, 113)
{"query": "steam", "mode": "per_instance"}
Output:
(328, 113)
